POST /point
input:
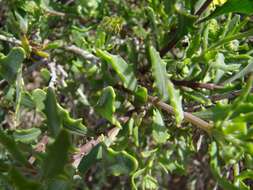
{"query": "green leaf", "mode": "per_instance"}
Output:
(223, 182)
(20, 182)
(149, 182)
(120, 162)
(12, 148)
(59, 183)
(236, 6)
(106, 105)
(58, 117)
(39, 97)
(26, 135)
(124, 70)
(159, 73)
(141, 94)
(159, 131)
(91, 158)
(165, 87)
(241, 73)
(57, 156)
(51, 112)
(176, 102)
(11, 64)
(73, 125)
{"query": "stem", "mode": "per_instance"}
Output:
(187, 116)
(10, 40)
(194, 85)
(85, 54)
(203, 7)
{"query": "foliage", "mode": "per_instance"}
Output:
(162, 90)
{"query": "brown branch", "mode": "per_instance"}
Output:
(191, 84)
(203, 7)
(187, 116)
(86, 148)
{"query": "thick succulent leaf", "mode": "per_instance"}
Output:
(90, 159)
(12, 148)
(106, 105)
(124, 70)
(237, 6)
(57, 156)
(26, 135)
(159, 131)
(164, 85)
(11, 64)
(51, 112)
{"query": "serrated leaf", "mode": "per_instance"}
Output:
(51, 112)
(58, 117)
(159, 73)
(91, 158)
(57, 156)
(236, 6)
(120, 162)
(26, 135)
(12, 148)
(11, 64)
(124, 70)
(106, 105)
(164, 85)
(159, 131)
(176, 102)
(73, 125)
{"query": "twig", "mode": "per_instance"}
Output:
(40, 147)
(229, 95)
(55, 13)
(187, 116)
(84, 54)
(52, 69)
(194, 85)
(10, 40)
(86, 148)
(203, 7)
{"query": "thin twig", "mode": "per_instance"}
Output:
(187, 116)
(83, 53)
(10, 40)
(203, 7)
(191, 84)
(87, 147)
